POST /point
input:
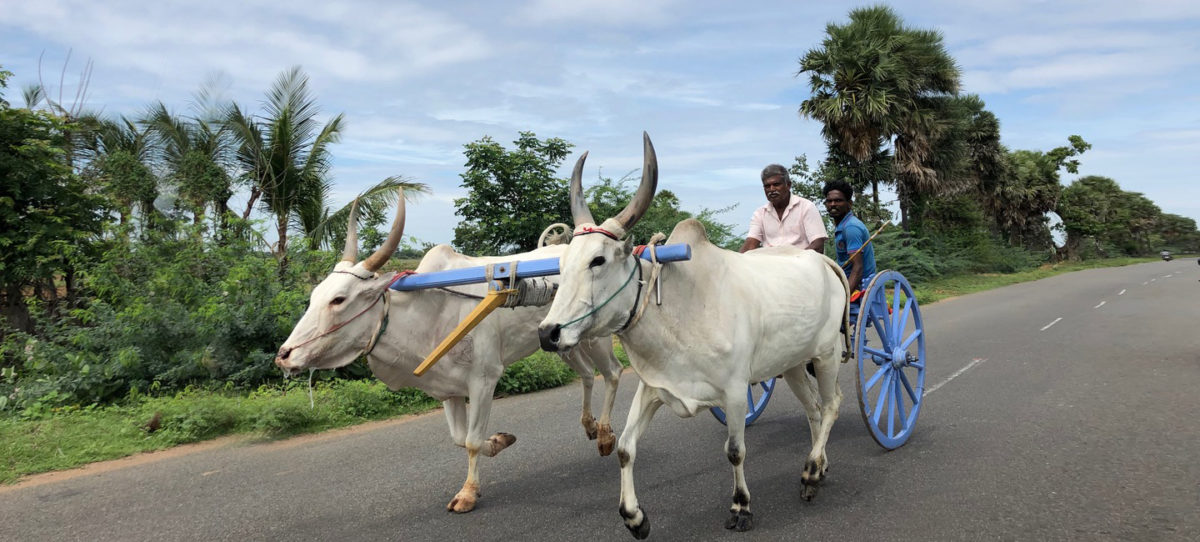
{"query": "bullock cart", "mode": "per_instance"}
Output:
(887, 333)
(889, 347)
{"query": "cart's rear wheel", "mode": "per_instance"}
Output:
(757, 396)
(890, 349)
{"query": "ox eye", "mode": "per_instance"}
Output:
(338, 300)
(597, 262)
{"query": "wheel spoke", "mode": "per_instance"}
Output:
(877, 354)
(875, 377)
(897, 410)
(904, 317)
(882, 400)
(881, 325)
(908, 387)
(750, 397)
(900, 383)
(908, 342)
(768, 384)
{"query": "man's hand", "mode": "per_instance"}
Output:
(750, 244)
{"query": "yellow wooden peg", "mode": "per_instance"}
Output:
(490, 302)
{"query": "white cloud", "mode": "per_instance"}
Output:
(599, 12)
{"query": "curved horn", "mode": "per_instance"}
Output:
(350, 252)
(381, 256)
(645, 193)
(580, 213)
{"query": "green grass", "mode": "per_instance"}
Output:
(953, 286)
(69, 437)
(72, 437)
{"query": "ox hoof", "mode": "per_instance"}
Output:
(606, 442)
(808, 492)
(463, 502)
(497, 443)
(589, 427)
(740, 521)
(637, 522)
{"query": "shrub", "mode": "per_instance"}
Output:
(540, 371)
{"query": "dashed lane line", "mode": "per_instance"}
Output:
(1122, 292)
(1047, 326)
(935, 387)
(1100, 305)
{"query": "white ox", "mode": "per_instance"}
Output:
(332, 334)
(726, 320)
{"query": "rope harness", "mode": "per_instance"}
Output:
(383, 320)
(638, 308)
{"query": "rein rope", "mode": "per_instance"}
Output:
(383, 320)
(638, 308)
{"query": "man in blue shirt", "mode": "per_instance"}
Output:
(850, 235)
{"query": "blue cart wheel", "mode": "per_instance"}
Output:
(890, 348)
(757, 404)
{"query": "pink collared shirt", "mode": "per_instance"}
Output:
(801, 224)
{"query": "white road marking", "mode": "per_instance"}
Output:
(973, 363)
(1100, 305)
(1122, 292)
(1051, 323)
(1145, 283)
(1152, 280)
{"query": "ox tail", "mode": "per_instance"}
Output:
(846, 331)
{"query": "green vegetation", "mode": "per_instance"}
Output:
(956, 285)
(66, 437)
(130, 292)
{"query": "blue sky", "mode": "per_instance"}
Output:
(712, 82)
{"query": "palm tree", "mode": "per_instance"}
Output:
(121, 154)
(876, 81)
(284, 153)
(197, 155)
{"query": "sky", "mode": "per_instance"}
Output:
(714, 83)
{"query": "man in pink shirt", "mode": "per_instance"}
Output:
(786, 219)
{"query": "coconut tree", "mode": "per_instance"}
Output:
(120, 164)
(284, 153)
(196, 154)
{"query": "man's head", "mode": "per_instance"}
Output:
(839, 197)
(777, 185)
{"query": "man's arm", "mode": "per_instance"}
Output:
(750, 244)
(755, 236)
(818, 244)
(854, 276)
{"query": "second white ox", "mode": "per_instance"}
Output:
(346, 313)
(726, 320)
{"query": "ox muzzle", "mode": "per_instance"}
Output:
(548, 335)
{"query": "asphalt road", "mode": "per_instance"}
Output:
(1063, 409)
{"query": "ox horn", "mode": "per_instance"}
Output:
(645, 193)
(579, 206)
(381, 256)
(350, 252)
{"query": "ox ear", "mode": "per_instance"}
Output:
(627, 247)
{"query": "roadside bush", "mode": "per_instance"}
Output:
(168, 312)
(540, 371)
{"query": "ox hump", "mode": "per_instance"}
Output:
(439, 258)
(690, 231)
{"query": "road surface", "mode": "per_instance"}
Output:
(1062, 409)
